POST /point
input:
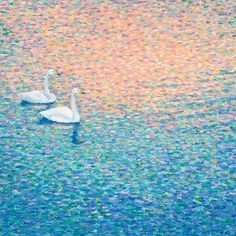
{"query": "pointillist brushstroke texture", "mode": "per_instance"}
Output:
(154, 154)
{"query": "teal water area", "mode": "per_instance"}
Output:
(169, 171)
(118, 174)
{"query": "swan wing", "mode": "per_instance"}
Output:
(34, 97)
(58, 114)
(52, 98)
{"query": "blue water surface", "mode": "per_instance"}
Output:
(164, 171)
(117, 174)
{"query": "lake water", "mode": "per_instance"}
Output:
(150, 157)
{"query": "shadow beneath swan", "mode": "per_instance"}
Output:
(45, 121)
(35, 106)
(28, 104)
(76, 128)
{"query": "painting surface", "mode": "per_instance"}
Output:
(154, 151)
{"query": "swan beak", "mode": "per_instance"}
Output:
(59, 73)
(82, 92)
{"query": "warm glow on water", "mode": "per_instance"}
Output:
(154, 154)
(136, 55)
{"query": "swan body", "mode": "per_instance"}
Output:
(60, 115)
(63, 114)
(40, 97)
(37, 96)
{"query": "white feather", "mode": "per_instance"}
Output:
(37, 97)
(63, 114)
(58, 114)
(41, 97)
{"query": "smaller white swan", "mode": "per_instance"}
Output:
(64, 114)
(41, 97)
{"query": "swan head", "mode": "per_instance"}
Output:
(52, 72)
(78, 90)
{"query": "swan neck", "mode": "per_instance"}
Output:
(45, 84)
(74, 107)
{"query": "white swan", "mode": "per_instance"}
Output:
(64, 114)
(41, 97)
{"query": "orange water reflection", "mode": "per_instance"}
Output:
(134, 55)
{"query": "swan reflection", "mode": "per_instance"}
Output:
(75, 129)
(76, 139)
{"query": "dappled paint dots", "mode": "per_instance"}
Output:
(180, 43)
(154, 152)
